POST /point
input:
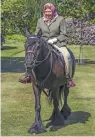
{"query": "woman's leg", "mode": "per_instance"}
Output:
(68, 65)
(68, 62)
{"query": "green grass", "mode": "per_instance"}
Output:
(17, 49)
(17, 100)
(87, 51)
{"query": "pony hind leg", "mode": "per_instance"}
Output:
(57, 119)
(66, 111)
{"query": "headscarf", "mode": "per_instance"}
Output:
(52, 8)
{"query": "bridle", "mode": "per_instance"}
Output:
(36, 63)
(28, 52)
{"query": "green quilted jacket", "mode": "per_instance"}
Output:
(56, 28)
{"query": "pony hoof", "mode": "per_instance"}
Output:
(36, 129)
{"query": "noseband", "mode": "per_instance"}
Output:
(30, 51)
(35, 62)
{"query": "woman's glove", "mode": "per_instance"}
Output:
(51, 41)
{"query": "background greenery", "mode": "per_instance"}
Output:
(17, 14)
(17, 107)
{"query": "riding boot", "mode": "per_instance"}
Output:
(26, 79)
(70, 83)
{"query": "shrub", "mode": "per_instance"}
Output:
(16, 37)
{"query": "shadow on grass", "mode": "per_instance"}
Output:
(77, 117)
(85, 61)
(74, 118)
(14, 64)
(7, 47)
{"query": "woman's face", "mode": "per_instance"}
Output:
(48, 13)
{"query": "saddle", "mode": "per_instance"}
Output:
(60, 54)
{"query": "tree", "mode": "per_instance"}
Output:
(13, 16)
(78, 9)
(16, 14)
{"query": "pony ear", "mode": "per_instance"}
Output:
(27, 32)
(39, 34)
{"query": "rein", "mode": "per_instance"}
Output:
(40, 62)
(41, 83)
(37, 63)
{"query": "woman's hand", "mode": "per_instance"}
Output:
(51, 41)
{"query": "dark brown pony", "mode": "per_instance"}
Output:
(46, 67)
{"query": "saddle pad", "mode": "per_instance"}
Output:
(60, 55)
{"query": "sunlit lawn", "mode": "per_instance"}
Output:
(17, 100)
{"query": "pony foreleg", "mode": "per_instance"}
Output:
(66, 111)
(37, 126)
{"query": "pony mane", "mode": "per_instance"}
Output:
(35, 38)
(32, 39)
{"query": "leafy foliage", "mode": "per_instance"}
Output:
(84, 9)
(17, 14)
(13, 15)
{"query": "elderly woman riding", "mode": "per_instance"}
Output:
(53, 29)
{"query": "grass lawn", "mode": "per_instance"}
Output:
(17, 100)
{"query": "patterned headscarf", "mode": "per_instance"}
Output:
(52, 8)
